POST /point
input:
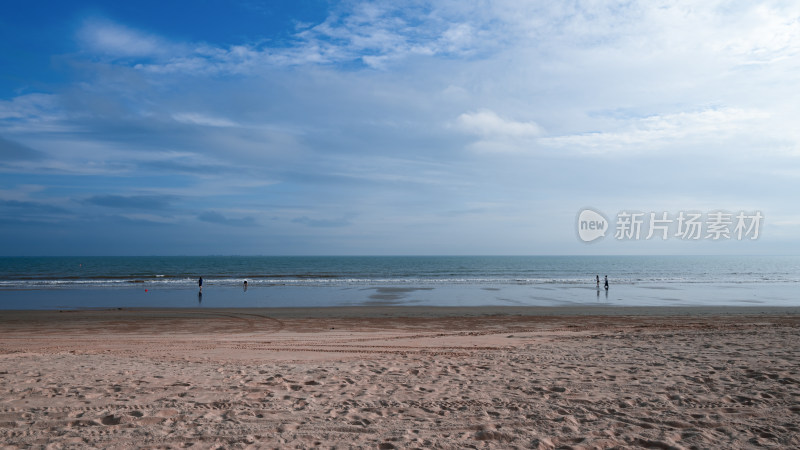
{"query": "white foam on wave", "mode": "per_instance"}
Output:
(186, 282)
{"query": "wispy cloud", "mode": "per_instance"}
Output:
(28, 106)
(769, 33)
(27, 207)
(132, 202)
(149, 218)
(654, 133)
(203, 120)
(219, 219)
(372, 33)
(32, 113)
(380, 33)
(488, 124)
(322, 223)
(496, 134)
(14, 151)
(115, 40)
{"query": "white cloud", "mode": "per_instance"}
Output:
(381, 33)
(203, 120)
(375, 33)
(30, 106)
(497, 134)
(668, 130)
(153, 218)
(487, 123)
(766, 34)
(34, 113)
(119, 41)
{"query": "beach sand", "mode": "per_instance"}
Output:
(401, 378)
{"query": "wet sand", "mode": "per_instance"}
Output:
(401, 377)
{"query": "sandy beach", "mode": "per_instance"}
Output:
(401, 378)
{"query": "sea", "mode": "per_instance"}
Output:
(57, 283)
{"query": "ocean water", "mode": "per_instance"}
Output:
(107, 282)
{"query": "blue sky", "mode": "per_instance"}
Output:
(446, 127)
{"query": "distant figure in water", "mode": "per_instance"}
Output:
(200, 283)
(598, 281)
(606, 285)
(245, 285)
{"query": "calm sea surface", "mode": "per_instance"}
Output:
(100, 282)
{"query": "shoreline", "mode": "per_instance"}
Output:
(448, 296)
(372, 311)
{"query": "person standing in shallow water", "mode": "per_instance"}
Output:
(606, 285)
(597, 277)
(200, 284)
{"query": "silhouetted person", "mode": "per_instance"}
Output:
(606, 285)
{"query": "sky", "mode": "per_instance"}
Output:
(384, 127)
